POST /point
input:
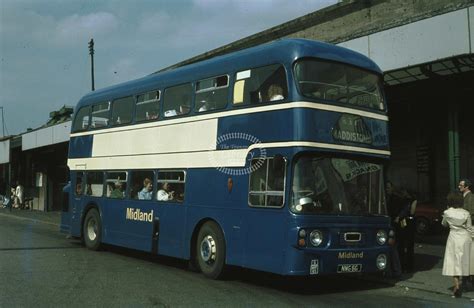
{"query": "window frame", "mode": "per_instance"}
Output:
(113, 102)
(159, 100)
(158, 186)
(265, 193)
(196, 92)
(82, 175)
(265, 102)
(335, 102)
(87, 182)
(106, 181)
(192, 85)
(153, 181)
(89, 114)
(108, 115)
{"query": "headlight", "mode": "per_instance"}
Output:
(381, 237)
(316, 237)
(381, 262)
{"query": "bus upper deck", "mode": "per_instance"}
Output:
(295, 82)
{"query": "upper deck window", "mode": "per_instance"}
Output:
(262, 84)
(339, 82)
(122, 110)
(81, 121)
(212, 93)
(178, 100)
(148, 106)
(100, 115)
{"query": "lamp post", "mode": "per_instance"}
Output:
(3, 123)
(91, 52)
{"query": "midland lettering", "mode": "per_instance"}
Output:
(138, 215)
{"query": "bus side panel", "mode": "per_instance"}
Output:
(129, 223)
(241, 129)
(212, 199)
(253, 235)
(172, 217)
(265, 238)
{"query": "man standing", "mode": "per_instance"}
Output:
(465, 188)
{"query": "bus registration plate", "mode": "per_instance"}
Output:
(349, 268)
(314, 268)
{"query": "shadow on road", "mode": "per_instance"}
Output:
(294, 285)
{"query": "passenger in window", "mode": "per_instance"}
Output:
(118, 191)
(89, 190)
(151, 115)
(275, 93)
(204, 106)
(183, 109)
(147, 191)
(165, 193)
(170, 113)
(78, 189)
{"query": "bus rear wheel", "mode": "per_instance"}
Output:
(210, 250)
(92, 230)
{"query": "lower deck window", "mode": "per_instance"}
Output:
(116, 184)
(171, 186)
(95, 184)
(267, 182)
(141, 185)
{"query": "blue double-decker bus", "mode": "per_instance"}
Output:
(268, 158)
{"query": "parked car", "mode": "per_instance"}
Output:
(427, 218)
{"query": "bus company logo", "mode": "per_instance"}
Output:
(232, 150)
(138, 215)
(350, 255)
(352, 128)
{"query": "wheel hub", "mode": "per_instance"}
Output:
(208, 249)
(92, 229)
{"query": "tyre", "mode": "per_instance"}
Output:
(92, 230)
(210, 250)
(422, 226)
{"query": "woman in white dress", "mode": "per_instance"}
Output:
(458, 246)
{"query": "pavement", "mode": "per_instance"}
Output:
(429, 254)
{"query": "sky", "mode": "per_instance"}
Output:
(45, 62)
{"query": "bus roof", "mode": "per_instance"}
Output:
(284, 51)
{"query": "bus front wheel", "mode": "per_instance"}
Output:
(92, 230)
(210, 250)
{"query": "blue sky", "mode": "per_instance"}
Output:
(44, 55)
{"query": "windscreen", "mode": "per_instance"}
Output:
(340, 83)
(337, 186)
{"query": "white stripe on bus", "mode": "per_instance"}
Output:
(203, 159)
(181, 138)
(238, 111)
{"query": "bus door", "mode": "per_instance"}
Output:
(77, 199)
(172, 220)
(266, 219)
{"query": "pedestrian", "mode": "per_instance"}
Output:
(465, 186)
(458, 246)
(401, 206)
(406, 231)
(393, 202)
(19, 194)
